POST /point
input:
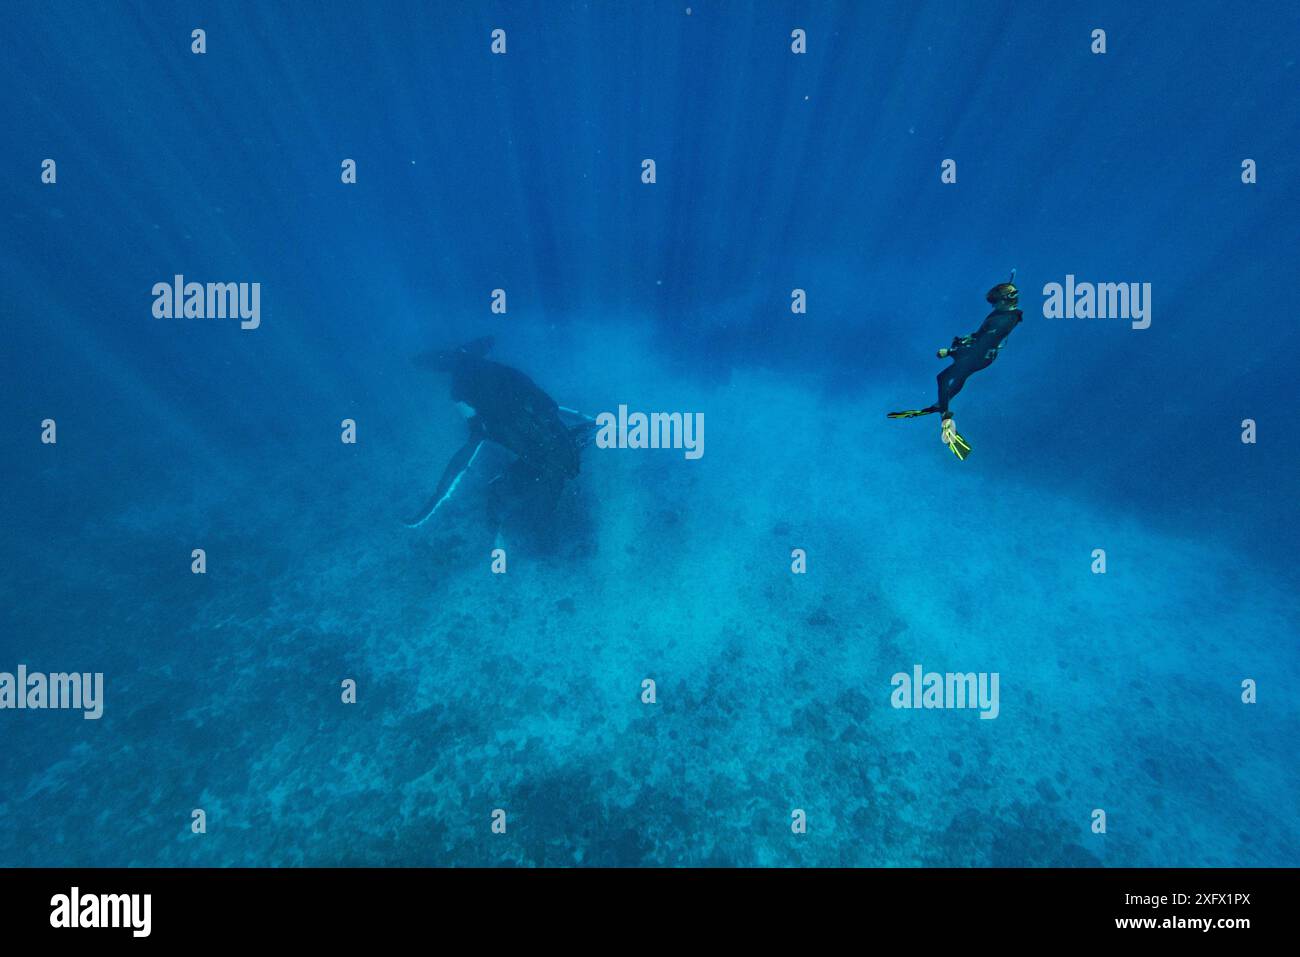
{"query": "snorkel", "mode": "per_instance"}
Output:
(1004, 296)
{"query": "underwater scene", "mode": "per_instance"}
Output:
(459, 434)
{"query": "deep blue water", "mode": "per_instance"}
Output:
(774, 171)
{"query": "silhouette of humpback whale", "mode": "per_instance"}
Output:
(504, 406)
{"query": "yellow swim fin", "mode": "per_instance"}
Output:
(960, 447)
(951, 438)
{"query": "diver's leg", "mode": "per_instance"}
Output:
(954, 377)
(950, 381)
(451, 476)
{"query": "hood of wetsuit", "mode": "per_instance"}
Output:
(1003, 291)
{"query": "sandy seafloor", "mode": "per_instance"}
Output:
(521, 691)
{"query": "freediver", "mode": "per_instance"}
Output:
(969, 355)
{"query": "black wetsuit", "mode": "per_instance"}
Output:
(972, 353)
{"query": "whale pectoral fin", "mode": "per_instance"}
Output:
(575, 413)
(583, 434)
(451, 476)
(584, 431)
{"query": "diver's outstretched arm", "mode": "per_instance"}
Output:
(451, 476)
